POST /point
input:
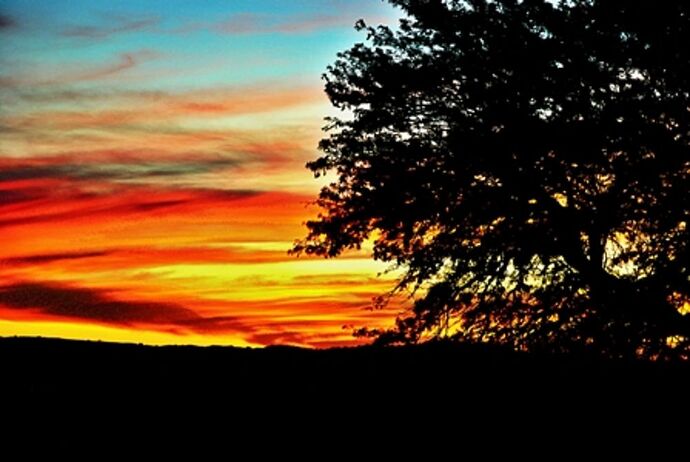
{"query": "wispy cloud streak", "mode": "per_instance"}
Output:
(115, 24)
(249, 23)
(70, 302)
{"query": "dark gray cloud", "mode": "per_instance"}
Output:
(74, 184)
(7, 22)
(115, 171)
(11, 86)
(117, 25)
(142, 205)
(118, 209)
(9, 196)
(60, 95)
(24, 195)
(99, 306)
(87, 304)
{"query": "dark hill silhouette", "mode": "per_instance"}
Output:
(42, 368)
(74, 395)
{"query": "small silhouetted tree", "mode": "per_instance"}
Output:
(526, 164)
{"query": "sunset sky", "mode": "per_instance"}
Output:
(152, 171)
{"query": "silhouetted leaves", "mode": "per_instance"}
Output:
(527, 165)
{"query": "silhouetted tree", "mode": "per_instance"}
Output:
(526, 164)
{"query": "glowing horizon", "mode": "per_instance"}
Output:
(152, 172)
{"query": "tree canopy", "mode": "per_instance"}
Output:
(526, 164)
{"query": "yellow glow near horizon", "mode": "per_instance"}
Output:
(82, 331)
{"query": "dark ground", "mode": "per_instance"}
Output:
(42, 368)
(368, 390)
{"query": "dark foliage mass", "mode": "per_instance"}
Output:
(526, 164)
